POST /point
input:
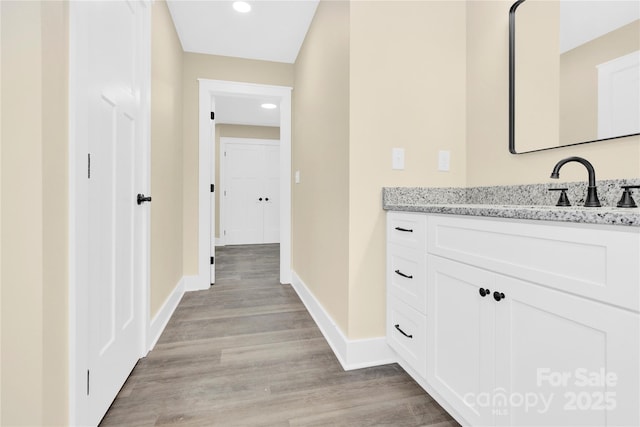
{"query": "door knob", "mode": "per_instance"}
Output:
(260, 199)
(142, 198)
(267, 199)
(484, 292)
(498, 296)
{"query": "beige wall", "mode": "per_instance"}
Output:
(360, 90)
(407, 90)
(197, 66)
(488, 161)
(237, 131)
(34, 213)
(320, 151)
(166, 157)
(579, 80)
(1, 238)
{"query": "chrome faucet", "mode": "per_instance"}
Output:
(592, 193)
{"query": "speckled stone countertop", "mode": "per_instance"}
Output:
(529, 202)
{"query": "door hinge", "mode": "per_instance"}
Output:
(225, 154)
(213, 187)
(225, 232)
(88, 382)
(225, 192)
(213, 115)
(88, 165)
(213, 260)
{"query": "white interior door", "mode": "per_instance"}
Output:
(114, 138)
(250, 193)
(271, 189)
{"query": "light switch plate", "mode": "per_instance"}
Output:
(397, 158)
(444, 160)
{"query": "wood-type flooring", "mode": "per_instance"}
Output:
(247, 353)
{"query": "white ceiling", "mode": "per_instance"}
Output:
(272, 31)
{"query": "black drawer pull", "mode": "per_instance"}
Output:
(403, 332)
(400, 273)
(407, 230)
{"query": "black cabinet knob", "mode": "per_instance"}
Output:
(498, 296)
(266, 199)
(484, 292)
(260, 199)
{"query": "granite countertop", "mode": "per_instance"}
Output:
(516, 202)
(604, 215)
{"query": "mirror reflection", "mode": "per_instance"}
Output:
(574, 72)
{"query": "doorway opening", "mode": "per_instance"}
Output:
(209, 91)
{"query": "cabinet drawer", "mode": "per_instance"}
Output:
(407, 229)
(597, 262)
(406, 276)
(406, 334)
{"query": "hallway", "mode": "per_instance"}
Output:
(247, 353)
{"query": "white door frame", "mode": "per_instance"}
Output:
(208, 90)
(224, 140)
(78, 207)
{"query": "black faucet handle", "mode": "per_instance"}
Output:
(626, 201)
(563, 200)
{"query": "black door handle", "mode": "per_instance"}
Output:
(266, 199)
(498, 296)
(484, 292)
(260, 199)
(143, 198)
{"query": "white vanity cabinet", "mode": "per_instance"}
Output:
(406, 290)
(515, 337)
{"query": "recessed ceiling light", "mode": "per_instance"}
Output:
(242, 6)
(269, 106)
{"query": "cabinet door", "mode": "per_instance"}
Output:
(564, 360)
(460, 337)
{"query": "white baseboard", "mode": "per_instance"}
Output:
(352, 354)
(196, 283)
(160, 320)
(219, 241)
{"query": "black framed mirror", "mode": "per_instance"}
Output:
(574, 72)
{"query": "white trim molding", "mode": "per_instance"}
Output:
(208, 90)
(193, 283)
(352, 354)
(161, 319)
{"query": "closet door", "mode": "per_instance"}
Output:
(271, 191)
(242, 193)
(251, 186)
